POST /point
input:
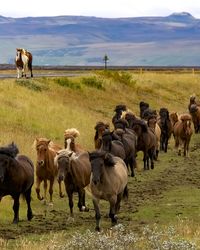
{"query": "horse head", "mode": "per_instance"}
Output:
(42, 148)
(62, 161)
(99, 160)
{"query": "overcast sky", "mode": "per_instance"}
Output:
(100, 8)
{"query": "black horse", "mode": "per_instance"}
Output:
(16, 178)
(166, 128)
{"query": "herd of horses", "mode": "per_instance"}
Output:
(104, 171)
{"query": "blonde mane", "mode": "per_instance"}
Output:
(71, 132)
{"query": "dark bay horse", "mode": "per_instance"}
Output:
(23, 62)
(69, 140)
(108, 181)
(45, 168)
(146, 142)
(16, 178)
(112, 145)
(129, 141)
(166, 128)
(75, 170)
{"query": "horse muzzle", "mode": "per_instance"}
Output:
(40, 163)
(60, 178)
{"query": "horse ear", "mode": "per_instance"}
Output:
(48, 141)
(108, 160)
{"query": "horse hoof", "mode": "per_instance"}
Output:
(97, 228)
(62, 195)
(30, 217)
(51, 204)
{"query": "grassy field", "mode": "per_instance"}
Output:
(163, 207)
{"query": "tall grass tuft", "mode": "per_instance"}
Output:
(93, 82)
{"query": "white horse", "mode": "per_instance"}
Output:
(23, 62)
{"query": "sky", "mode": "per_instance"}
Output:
(100, 8)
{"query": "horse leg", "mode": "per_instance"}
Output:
(112, 214)
(81, 202)
(117, 205)
(70, 199)
(28, 201)
(60, 189)
(132, 163)
(37, 189)
(51, 190)
(97, 213)
(145, 160)
(16, 208)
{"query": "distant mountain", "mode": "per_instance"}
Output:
(173, 40)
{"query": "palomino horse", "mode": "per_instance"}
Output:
(108, 181)
(182, 133)
(153, 125)
(69, 140)
(23, 62)
(46, 169)
(16, 177)
(75, 171)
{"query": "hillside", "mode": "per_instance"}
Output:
(77, 40)
(163, 206)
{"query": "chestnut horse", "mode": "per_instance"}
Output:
(45, 167)
(182, 133)
(23, 62)
(16, 177)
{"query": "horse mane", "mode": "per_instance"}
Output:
(185, 117)
(193, 108)
(42, 139)
(142, 124)
(63, 153)
(100, 124)
(11, 150)
(71, 132)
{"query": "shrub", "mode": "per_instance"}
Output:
(93, 82)
(65, 82)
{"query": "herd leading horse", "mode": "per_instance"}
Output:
(46, 170)
(109, 178)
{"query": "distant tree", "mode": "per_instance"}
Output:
(105, 59)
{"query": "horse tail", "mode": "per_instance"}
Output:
(125, 193)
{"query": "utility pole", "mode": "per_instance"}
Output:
(105, 61)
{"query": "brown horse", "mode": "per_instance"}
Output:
(16, 177)
(153, 125)
(195, 113)
(108, 181)
(45, 168)
(100, 128)
(75, 170)
(182, 133)
(146, 142)
(69, 140)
